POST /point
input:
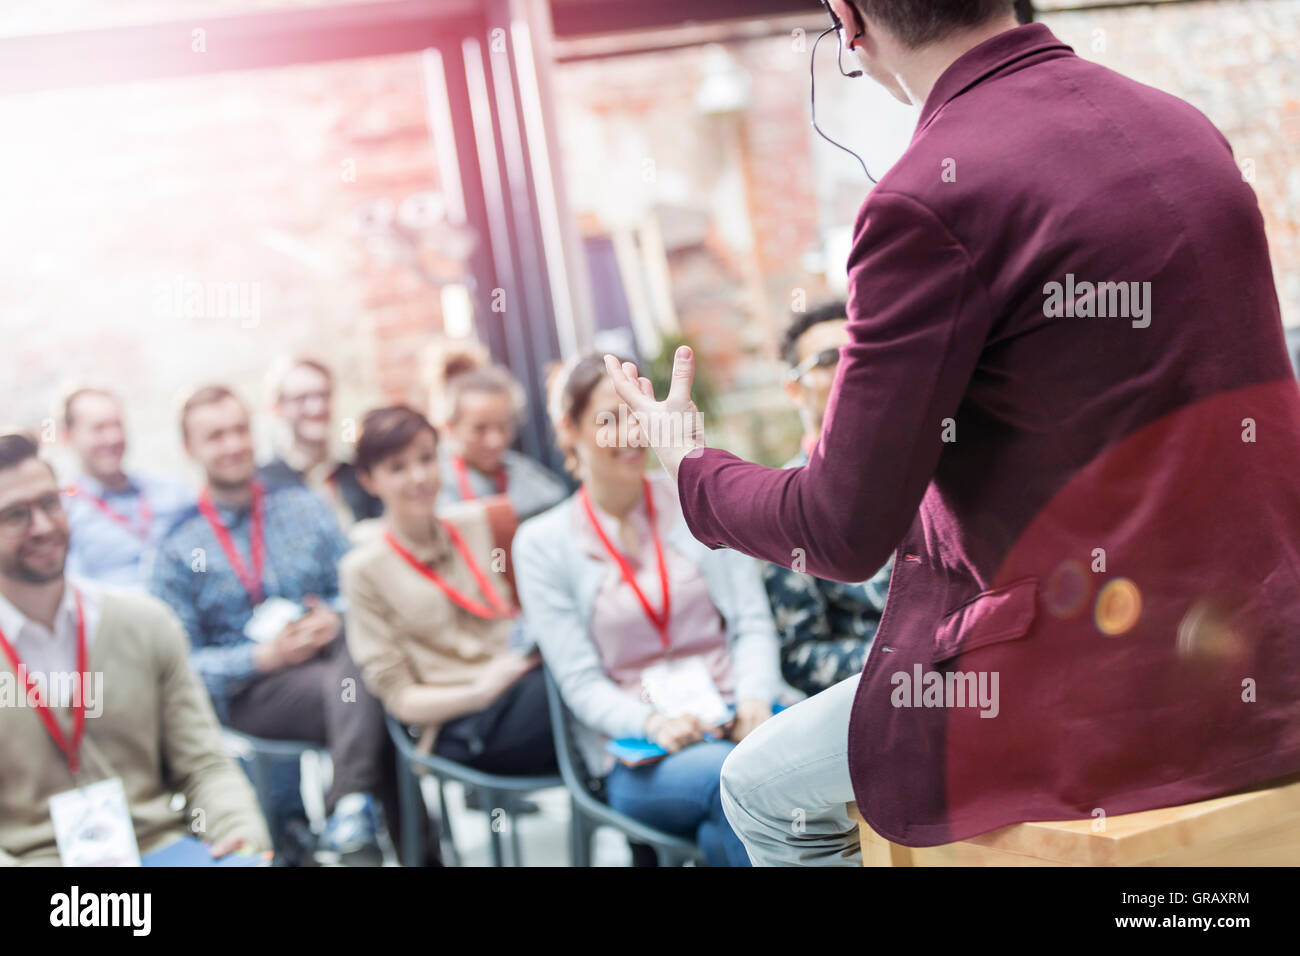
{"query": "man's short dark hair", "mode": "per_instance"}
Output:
(803, 321)
(70, 400)
(207, 395)
(918, 22)
(16, 448)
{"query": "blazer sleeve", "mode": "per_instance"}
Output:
(918, 320)
(554, 621)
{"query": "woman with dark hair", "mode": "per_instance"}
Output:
(625, 603)
(431, 618)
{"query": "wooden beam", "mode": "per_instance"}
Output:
(199, 45)
(575, 18)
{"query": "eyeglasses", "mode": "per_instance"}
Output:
(826, 358)
(17, 518)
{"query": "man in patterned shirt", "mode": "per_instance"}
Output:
(826, 627)
(253, 575)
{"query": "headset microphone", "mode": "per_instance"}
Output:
(837, 27)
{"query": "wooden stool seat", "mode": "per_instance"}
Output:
(1260, 827)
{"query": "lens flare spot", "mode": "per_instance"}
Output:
(1205, 634)
(1119, 605)
(1067, 590)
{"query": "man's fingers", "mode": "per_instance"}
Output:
(679, 392)
(626, 385)
(647, 389)
(227, 846)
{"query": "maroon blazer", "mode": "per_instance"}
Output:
(1095, 502)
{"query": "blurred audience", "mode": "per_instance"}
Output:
(155, 732)
(258, 571)
(613, 585)
(826, 627)
(302, 411)
(116, 518)
(431, 615)
(253, 575)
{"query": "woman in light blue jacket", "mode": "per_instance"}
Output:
(628, 607)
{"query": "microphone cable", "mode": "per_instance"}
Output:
(812, 88)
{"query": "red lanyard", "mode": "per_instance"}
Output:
(71, 749)
(143, 524)
(251, 580)
(495, 607)
(661, 619)
(462, 479)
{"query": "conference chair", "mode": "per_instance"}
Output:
(257, 755)
(586, 797)
(498, 792)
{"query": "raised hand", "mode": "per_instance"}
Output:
(674, 427)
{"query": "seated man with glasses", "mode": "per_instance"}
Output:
(102, 721)
(301, 396)
(826, 627)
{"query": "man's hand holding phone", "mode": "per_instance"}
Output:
(301, 639)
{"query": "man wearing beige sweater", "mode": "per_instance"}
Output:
(98, 705)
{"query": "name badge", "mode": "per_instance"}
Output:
(271, 617)
(685, 686)
(92, 826)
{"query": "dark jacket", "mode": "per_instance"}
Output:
(1102, 513)
(277, 473)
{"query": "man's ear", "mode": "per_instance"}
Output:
(848, 14)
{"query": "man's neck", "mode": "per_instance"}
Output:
(486, 472)
(238, 495)
(111, 481)
(38, 602)
(919, 70)
(306, 455)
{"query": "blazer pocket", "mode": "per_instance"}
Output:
(991, 617)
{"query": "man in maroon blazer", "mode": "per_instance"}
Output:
(1067, 408)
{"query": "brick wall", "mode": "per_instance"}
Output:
(1238, 61)
(253, 179)
(258, 179)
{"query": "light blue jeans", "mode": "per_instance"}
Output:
(786, 786)
(681, 795)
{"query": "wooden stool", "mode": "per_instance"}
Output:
(1260, 827)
